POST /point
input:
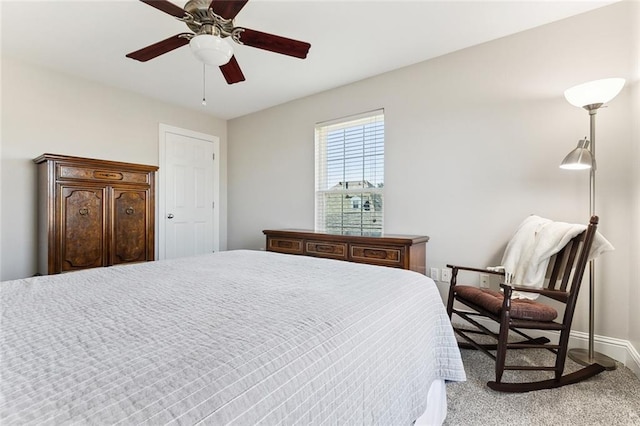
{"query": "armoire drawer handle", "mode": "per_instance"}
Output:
(83, 211)
(129, 210)
(107, 175)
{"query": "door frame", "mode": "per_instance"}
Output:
(161, 209)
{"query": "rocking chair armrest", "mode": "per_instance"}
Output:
(559, 295)
(456, 268)
(468, 268)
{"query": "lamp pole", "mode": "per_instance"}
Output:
(590, 356)
(591, 96)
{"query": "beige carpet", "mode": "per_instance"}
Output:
(610, 398)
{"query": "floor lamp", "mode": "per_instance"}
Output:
(590, 96)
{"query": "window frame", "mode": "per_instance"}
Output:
(367, 194)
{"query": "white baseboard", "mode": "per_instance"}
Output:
(634, 360)
(618, 349)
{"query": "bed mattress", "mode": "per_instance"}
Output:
(238, 337)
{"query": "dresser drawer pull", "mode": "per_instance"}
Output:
(107, 175)
(83, 211)
(378, 254)
(129, 210)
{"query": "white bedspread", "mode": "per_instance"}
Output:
(240, 337)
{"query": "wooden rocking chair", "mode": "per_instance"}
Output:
(566, 273)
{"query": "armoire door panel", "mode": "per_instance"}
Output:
(130, 221)
(82, 231)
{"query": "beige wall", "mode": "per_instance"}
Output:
(634, 286)
(473, 144)
(45, 111)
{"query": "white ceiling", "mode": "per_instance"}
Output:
(350, 41)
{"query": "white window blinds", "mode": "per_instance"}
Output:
(350, 175)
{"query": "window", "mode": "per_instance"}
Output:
(355, 202)
(350, 175)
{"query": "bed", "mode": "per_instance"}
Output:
(238, 337)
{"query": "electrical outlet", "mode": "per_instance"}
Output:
(446, 275)
(484, 281)
(435, 274)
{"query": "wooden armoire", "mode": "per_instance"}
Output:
(93, 213)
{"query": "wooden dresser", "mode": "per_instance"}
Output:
(398, 251)
(93, 213)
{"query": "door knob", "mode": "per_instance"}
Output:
(170, 216)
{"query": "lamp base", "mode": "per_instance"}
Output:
(581, 356)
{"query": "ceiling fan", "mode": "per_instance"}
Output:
(212, 24)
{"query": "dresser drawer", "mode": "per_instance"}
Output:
(327, 249)
(285, 245)
(389, 256)
(72, 172)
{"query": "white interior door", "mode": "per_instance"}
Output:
(188, 192)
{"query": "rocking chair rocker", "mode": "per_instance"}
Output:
(563, 284)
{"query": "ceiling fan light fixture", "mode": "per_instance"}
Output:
(211, 49)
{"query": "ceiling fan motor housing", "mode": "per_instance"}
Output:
(202, 20)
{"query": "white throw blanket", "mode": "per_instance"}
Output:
(536, 240)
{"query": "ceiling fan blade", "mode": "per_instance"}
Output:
(160, 48)
(228, 9)
(166, 7)
(232, 72)
(273, 43)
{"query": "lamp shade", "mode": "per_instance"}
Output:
(211, 49)
(580, 158)
(594, 92)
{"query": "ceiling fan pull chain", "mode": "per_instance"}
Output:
(204, 100)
